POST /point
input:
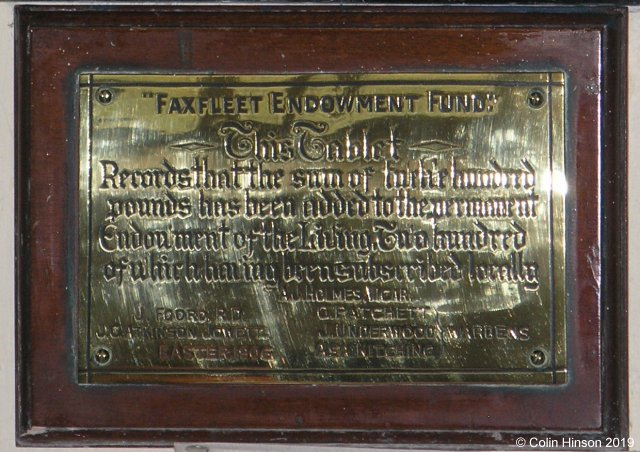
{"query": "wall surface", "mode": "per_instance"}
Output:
(7, 404)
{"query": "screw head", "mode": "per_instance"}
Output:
(535, 98)
(538, 358)
(592, 88)
(104, 96)
(102, 356)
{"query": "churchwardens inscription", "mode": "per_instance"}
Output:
(321, 227)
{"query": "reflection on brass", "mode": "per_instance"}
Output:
(318, 227)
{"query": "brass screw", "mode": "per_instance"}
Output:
(535, 98)
(538, 357)
(102, 356)
(104, 96)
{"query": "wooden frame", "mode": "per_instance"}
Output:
(53, 44)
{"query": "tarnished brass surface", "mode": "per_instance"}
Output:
(319, 227)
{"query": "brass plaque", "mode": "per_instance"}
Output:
(322, 228)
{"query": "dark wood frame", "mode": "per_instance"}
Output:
(53, 43)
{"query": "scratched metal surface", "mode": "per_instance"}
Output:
(322, 228)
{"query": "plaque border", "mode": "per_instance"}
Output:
(45, 257)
